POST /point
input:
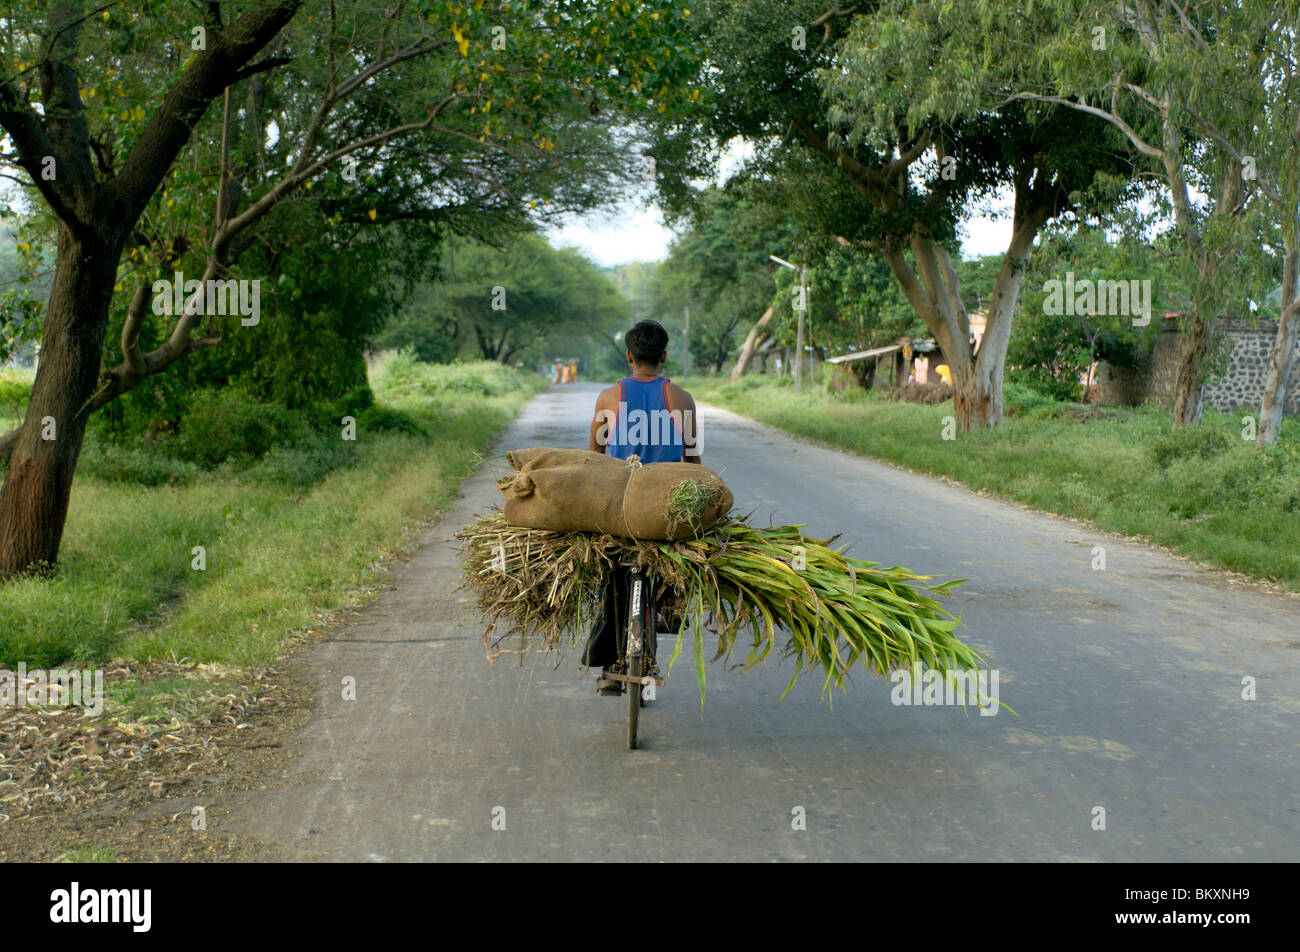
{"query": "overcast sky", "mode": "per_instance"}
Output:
(634, 232)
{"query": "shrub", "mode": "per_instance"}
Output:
(15, 392)
(377, 418)
(481, 378)
(1018, 398)
(399, 370)
(1202, 442)
(228, 424)
(745, 384)
(144, 465)
(301, 464)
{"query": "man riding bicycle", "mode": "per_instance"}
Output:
(647, 416)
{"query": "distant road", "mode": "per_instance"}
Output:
(1128, 683)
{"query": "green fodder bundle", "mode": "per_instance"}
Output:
(756, 586)
(688, 502)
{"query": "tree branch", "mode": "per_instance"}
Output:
(169, 130)
(1114, 119)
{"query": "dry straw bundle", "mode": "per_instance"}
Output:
(832, 612)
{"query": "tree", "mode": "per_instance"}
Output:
(888, 98)
(860, 89)
(720, 268)
(96, 209)
(1052, 351)
(1275, 166)
(1186, 86)
(523, 300)
(384, 86)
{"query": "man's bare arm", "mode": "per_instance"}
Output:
(680, 400)
(603, 421)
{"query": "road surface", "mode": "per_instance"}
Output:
(1128, 683)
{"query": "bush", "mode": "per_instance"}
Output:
(144, 465)
(383, 419)
(228, 424)
(399, 370)
(1018, 398)
(15, 392)
(481, 378)
(1200, 442)
(302, 464)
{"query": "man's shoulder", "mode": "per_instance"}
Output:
(680, 395)
(609, 396)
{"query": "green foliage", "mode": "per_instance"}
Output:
(1019, 398)
(281, 553)
(720, 269)
(380, 419)
(15, 392)
(1052, 352)
(1195, 443)
(229, 424)
(524, 301)
(735, 388)
(142, 465)
(20, 321)
(401, 375)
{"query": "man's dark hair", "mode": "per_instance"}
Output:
(648, 341)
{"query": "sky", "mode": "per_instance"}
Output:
(635, 230)
(635, 233)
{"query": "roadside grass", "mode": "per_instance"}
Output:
(162, 698)
(89, 854)
(15, 385)
(1208, 494)
(278, 554)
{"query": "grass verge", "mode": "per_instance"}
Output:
(276, 556)
(1207, 494)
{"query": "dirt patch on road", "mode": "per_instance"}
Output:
(124, 785)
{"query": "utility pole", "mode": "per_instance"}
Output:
(798, 346)
(801, 307)
(686, 342)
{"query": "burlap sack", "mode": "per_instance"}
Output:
(647, 504)
(579, 498)
(579, 491)
(547, 457)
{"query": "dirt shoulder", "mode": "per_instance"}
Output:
(124, 786)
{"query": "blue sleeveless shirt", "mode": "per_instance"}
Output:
(644, 426)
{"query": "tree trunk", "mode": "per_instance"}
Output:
(38, 481)
(758, 335)
(985, 408)
(934, 292)
(1281, 357)
(1189, 387)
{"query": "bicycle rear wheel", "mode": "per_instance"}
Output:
(650, 645)
(635, 656)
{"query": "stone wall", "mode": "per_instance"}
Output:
(1240, 386)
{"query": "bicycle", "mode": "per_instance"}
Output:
(638, 641)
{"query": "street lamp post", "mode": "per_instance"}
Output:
(801, 309)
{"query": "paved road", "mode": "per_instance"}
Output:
(1128, 684)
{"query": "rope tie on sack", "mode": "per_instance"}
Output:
(633, 464)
